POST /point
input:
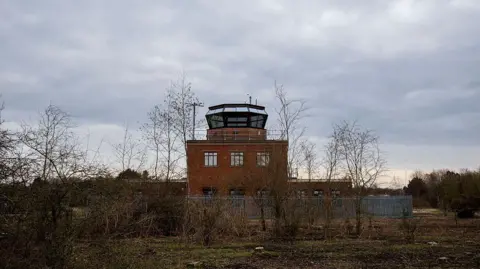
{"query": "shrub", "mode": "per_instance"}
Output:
(408, 227)
(168, 213)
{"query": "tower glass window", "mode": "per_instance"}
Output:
(236, 115)
(236, 158)
(210, 159)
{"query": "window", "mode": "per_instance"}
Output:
(210, 159)
(237, 192)
(317, 192)
(335, 193)
(216, 124)
(237, 197)
(236, 159)
(263, 158)
(263, 192)
(301, 193)
(215, 121)
(237, 119)
(257, 121)
(230, 124)
(209, 191)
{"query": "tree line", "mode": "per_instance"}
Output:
(447, 190)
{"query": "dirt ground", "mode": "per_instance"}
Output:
(440, 242)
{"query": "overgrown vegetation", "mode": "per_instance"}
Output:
(447, 190)
(61, 207)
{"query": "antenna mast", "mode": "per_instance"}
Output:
(195, 104)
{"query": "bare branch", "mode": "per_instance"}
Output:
(53, 148)
(130, 153)
(362, 160)
(290, 113)
(309, 158)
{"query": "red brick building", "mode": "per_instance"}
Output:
(239, 157)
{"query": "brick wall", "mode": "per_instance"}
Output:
(224, 176)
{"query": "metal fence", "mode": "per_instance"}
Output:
(340, 207)
(221, 135)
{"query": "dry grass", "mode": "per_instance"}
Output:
(383, 245)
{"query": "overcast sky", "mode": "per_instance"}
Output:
(408, 69)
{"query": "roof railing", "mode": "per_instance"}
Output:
(224, 135)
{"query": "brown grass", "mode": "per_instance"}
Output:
(381, 245)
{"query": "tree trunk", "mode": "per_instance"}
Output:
(328, 217)
(358, 216)
(262, 216)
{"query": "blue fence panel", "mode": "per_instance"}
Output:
(376, 206)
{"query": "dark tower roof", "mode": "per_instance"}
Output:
(236, 115)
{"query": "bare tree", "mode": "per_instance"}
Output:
(271, 185)
(10, 166)
(153, 134)
(397, 182)
(332, 164)
(182, 100)
(55, 148)
(5, 136)
(362, 159)
(171, 151)
(169, 127)
(130, 153)
(14, 166)
(52, 143)
(57, 162)
(290, 113)
(161, 134)
(309, 158)
(7, 145)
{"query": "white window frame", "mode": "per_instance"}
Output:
(236, 158)
(210, 159)
(263, 159)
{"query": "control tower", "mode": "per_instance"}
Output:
(235, 153)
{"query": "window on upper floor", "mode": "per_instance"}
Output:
(210, 159)
(263, 158)
(236, 158)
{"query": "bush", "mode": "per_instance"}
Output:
(204, 221)
(408, 227)
(168, 213)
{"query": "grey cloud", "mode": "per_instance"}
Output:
(110, 61)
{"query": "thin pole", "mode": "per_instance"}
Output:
(195, 104)
(194, 116)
